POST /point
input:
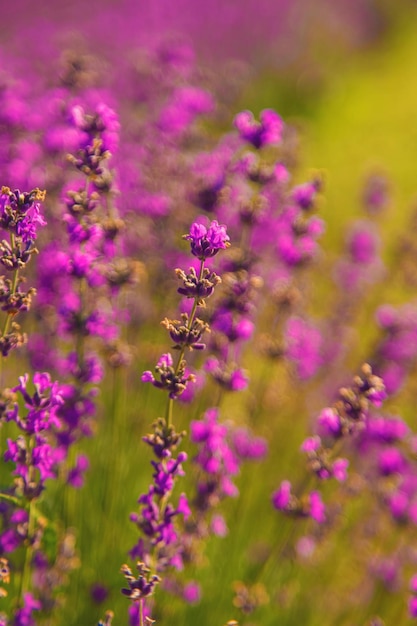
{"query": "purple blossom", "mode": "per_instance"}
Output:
(103, 123)
(390, 461)
(43, 405)
(247, 446)
(317, 508)
(265, 132)
(312, 444)
(339, 469)
(363, 243)
(166, 472)
(206, 242)
(235, 329)
(221, 450)
(210, 175)
(398, 504)
(238, 380)
(24, 616)
(388, 571)
(386, 429)
(413, 584)
(296, 238)
(173, 380)
(376, 193)
(156, 518)
(306, 547)
(219, 526)
(43, 458)
(20, 213)
(282, 497)
(90, 371)
(377, 396)
(192, 592)
(11, 539)
(187, 103)
(328, 423)
(412, 606)
(76, 475)
(304, 195)
(99, 593)
(228, 376)
(303, 346)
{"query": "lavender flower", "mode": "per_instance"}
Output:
(20, 219)
(206, 242)
(303, 347)
(173, 379)
(348, 417)
(267, 131)
(24, 616)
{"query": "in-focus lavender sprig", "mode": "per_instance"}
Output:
(187, 333)
(159, 546)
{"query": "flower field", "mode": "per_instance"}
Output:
(208, 319)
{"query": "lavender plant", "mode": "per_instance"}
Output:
(131, 157)
(160, 547)
(33, 444)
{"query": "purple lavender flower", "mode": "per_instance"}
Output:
(234, 329)
(386, 429)
(328, 423)
(192, 592)
(265, 132)
(218, 526)
(391, 461)
(312, 444)
(187, 103)
(376, 193)
(222, 448)
(15, 533)
(412, 606)
(24, 616)
(304, 195)
(317, 508)
(215, 455)
(172, 379)
(75, 476)
(282, 497)
(363, 243)
(247, 446)
(206, 242)
(20, 212)
(339, 469)
(303, 346)
(227, 376)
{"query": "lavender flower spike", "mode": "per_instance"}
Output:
(267, 131)
(205, 242)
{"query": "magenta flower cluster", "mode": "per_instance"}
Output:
(129, 162)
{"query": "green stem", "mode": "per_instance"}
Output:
(14, 287)
(141, 621)
(169, 409)
(5, 496)
(25, 578)
(170, 403)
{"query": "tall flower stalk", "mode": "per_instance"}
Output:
(159, 547)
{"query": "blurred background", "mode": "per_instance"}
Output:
(341, 72)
